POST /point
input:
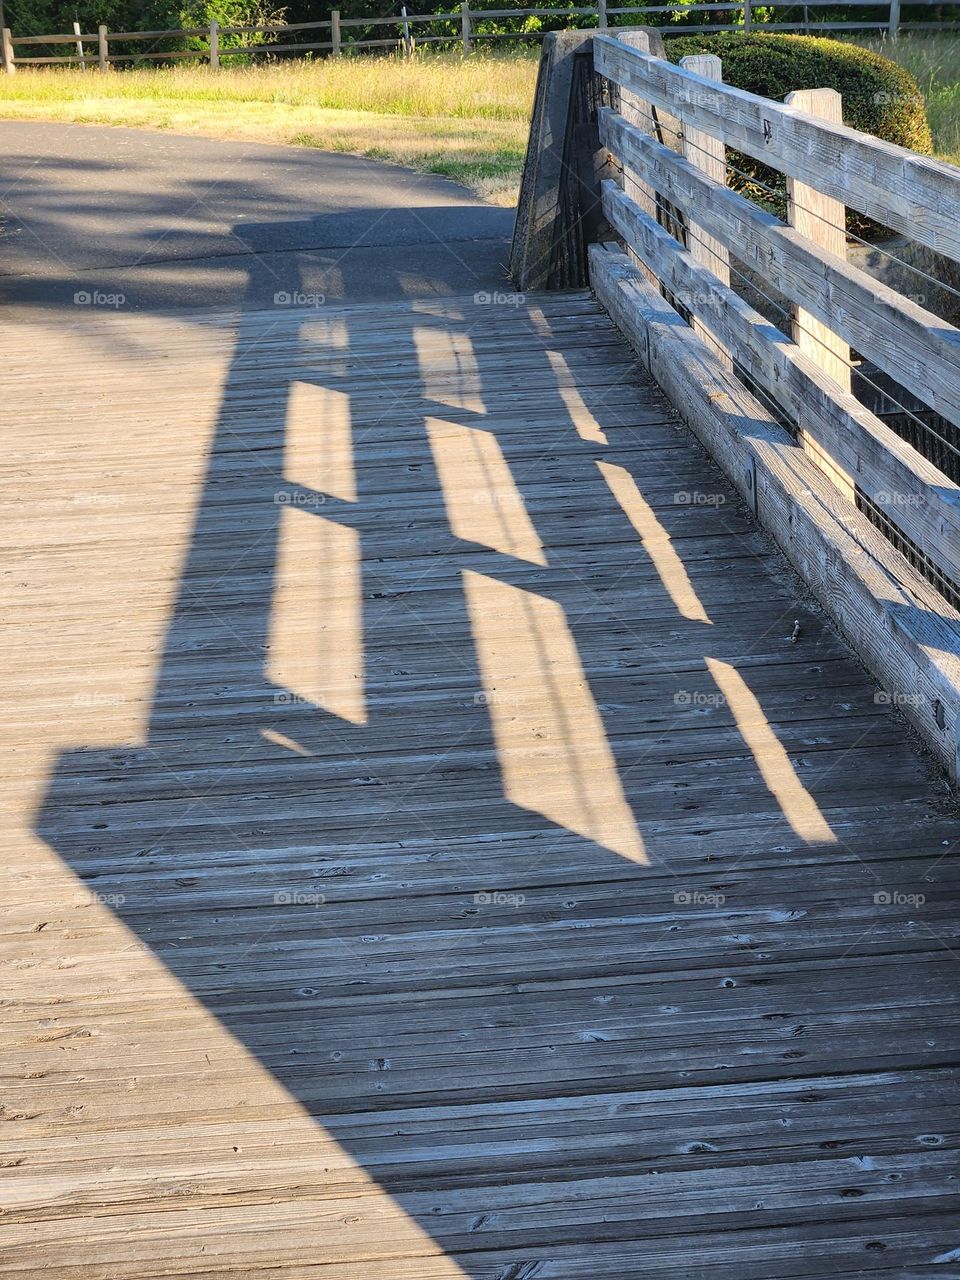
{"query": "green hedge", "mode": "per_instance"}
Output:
(879, 97)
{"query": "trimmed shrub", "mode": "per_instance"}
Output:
(879, 97)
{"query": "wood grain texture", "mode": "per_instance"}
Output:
(913, 194)
(917, 496)
(428, 854)
(912, 345)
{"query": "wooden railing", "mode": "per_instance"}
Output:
(765, 337)
(464, 29)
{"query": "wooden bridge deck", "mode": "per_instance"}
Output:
(436, 851)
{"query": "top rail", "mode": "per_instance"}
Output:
(913, 194)
(771, 344)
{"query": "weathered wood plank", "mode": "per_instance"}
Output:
(915, 347)
(917, 496)
(468, 1059)
(912, 194)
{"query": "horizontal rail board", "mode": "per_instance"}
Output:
(913, 493)
(902, 629)
(913, 346)
(157, 35)
(70, 39)
(167, 54)
(272, 48)
(909, 193)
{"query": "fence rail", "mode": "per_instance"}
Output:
(760, 330)
(464, 28)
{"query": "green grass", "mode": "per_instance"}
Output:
(934, 62)
(464, 118)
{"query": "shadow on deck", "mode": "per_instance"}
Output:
(489, 806)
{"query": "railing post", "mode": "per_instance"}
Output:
(466, 30)
(6, 44)
(102, 49)
(708, 154)
(638, 112)
(747, 14)
(821, 219)
(893, 29)
(602, 22)
(215, 45)
(335, 39)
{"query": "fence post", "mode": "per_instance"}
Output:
(215, 45)
(821, 219)
(637, 111)
(77, 31)
(102, 50)
(708, 154)
(407, 42)
(465, 30)
(747, 14)
(894, 26)
(7, 46)
(335, 39)
(602, 22)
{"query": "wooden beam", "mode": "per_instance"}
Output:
(910, 193)
(915, 347)
(6, 47)
(903, 630)
(823, 221)
(709, 155)
(908, 488)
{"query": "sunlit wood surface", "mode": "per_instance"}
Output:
(432, 849)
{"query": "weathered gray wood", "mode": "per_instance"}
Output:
(210, 1072)
(911, 491)
(559, 193)
(6, 51)
(915, 347)
(103, 49)
(708, 154)
(899, 625)
(823, 221)
(912, 194)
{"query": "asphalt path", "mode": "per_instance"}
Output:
(173, 223)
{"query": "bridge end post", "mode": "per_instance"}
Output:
(559, 211)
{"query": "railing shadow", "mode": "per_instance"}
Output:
(356, 870)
